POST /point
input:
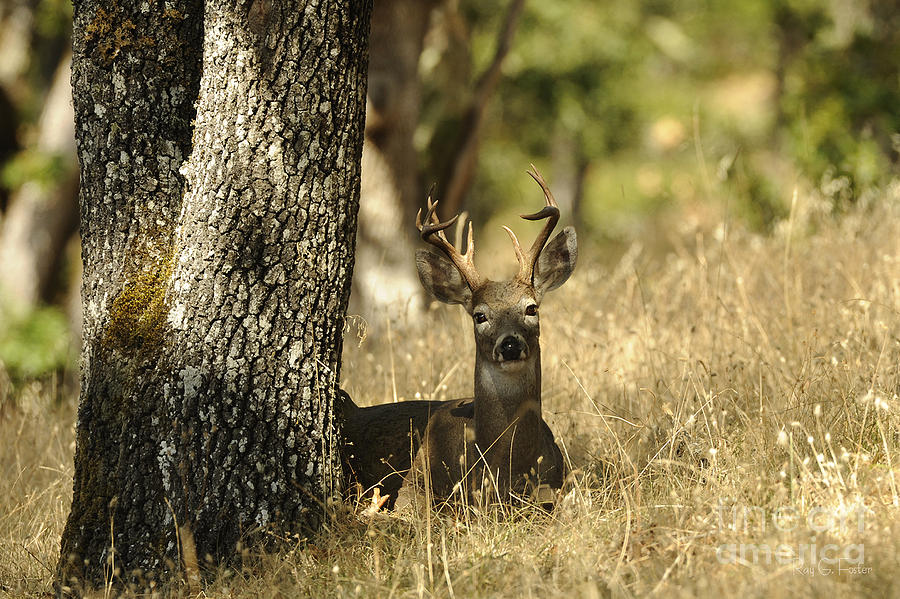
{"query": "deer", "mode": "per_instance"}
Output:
(497, 440)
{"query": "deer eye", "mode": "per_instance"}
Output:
(531, 310)
(479, 317)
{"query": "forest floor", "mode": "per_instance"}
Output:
(728, 408)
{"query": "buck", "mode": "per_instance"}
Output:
(498, 437)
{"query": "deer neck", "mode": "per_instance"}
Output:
(507, 403)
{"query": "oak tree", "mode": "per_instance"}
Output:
(220, 148)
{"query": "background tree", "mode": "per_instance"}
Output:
(38, 190)
(390, 193)
(392, 186)
(218, 255)
(42, 215)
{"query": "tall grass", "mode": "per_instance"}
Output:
(728, 409)
(37, 443)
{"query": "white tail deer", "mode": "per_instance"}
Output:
(499, 435)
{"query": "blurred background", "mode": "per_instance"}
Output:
(651, 120)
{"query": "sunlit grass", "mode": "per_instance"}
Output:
(718, 403)
(37, 442)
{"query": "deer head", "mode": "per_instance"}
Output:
(504, 313)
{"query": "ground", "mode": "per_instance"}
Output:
(728, 407)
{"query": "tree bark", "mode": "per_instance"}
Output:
(217, 253)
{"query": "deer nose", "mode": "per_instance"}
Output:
(511, 348)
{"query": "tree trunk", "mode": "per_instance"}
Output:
(460, 170)
(42, 217)
(214, 288)
(385, 277)
(16, 19)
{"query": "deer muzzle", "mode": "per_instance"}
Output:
(510, 348)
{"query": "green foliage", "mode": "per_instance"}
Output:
(656, 102)
(32, 166)
(842, 90)
(53, 18)
(34, 344)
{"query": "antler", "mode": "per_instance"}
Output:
(432, 231)
(527, 262)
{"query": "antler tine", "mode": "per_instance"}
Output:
(516, 247)
(432, 223)
(547, 194)
(432, 231)
(470, 241)
(550, 212)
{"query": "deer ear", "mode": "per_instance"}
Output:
(557, 261)
(441, 278)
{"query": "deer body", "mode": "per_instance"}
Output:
(498, 434)
(496, 441)
(499, 437)
(379, 441)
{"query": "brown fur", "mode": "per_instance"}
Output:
(496, 442)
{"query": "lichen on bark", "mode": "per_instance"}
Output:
(137, 316)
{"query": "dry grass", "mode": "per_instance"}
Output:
(37, 443)
(736, 393)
